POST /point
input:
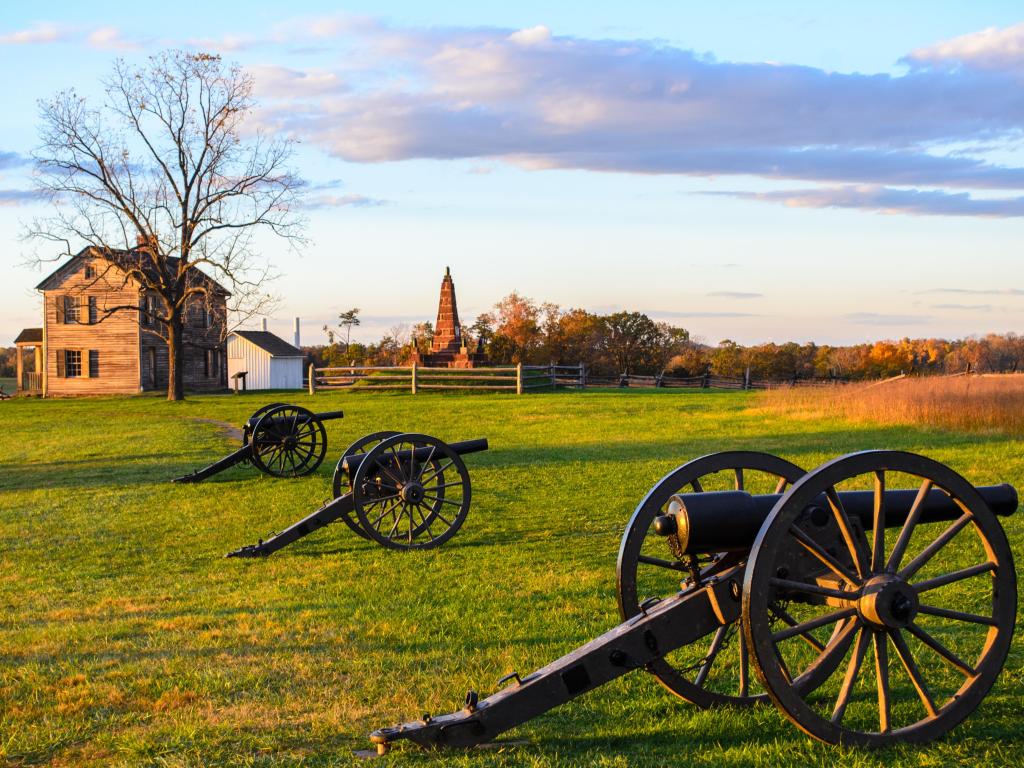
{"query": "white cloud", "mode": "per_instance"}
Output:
(992, 48)
(918, 202)
(40, 33)
(109, 38)
(543, 101)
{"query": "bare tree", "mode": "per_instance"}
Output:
(160, 183)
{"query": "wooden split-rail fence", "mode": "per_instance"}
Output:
(518, 379)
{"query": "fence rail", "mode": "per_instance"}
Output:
(518, 379)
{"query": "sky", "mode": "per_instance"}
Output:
(762, 172)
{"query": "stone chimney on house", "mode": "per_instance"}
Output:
(297, 345)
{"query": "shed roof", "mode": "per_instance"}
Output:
(30, 336)
(270, 342)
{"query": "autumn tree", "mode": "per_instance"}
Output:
(161, 181)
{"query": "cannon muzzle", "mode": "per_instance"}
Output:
(728, 521)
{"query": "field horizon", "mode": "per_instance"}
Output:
(127, 638)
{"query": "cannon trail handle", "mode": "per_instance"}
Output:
(237, 457)
(670, 624)
(326, 515)
(351, 463)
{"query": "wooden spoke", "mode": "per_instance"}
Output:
(929, 552)
(946, 613)
(739, 478)
(674, 566)
(424, 465)
(907, 659)
(812, 589)
(810, 639)
(438, 472)
(846, 530)
(900, 547)
(878, 524)
(783, 482)
(942, 650)
(807, 626)
(949, 578)
(852, 671)
(830, 562)
(882, 680)
(716, 646)
(696, 486)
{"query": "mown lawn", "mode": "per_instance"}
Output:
(127, 639)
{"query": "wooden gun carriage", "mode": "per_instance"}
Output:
(403, 491)
(869, 614)
(279, 440)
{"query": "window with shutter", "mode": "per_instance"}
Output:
(71, 307)
(72, 363)
(59, 302)
(60, 364)
(94, 363)
(94, 312)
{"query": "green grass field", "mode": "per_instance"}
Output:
(127, 639)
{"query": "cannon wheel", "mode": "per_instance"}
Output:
(694, 682)
(342, 482)
(255, 417)
(395, 496)
(947, 587)
(288, 441)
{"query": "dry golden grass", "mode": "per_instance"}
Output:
(991, 403)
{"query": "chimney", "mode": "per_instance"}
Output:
(263, 324)
(297, 332)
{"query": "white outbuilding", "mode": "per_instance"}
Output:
(269, 361)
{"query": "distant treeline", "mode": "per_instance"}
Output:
(520, 330)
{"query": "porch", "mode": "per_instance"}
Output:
(30, 382)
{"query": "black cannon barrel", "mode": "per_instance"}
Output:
(351, 463)
(723, 521)
(328, 415)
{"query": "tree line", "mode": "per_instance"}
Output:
(521, 330)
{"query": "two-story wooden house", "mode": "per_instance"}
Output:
(96, 341)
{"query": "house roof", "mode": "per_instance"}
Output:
(126, 259)
(30, 336)
(272, 343)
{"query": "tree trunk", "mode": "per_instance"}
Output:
(175, 359)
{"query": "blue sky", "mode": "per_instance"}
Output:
(794, 171)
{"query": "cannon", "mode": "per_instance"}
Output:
(403, 491)
(873, 599)
(278, 439)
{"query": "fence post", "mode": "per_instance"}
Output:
(746, 378)
(312, 379)
(414, 369)
(519, 378)
(554, 378)
(583, 376)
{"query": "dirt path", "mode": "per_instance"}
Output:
(226, 429)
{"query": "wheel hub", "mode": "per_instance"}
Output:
(888, 601)
(412, 493)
